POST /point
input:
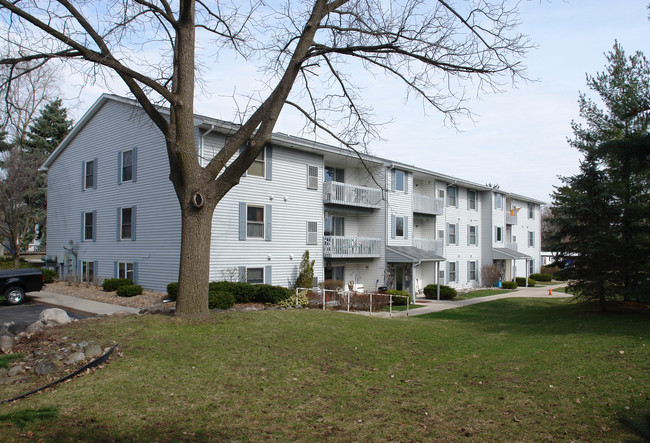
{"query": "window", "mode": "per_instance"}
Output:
(531, 239)
(126, 223)
(451, 234)
(88, 225)
(531, 267)
(451, 266)
(472, 238)
(126, 270)
(90, 174)
(471, 199)
(531, 210)
(499, 234)
(255, 276)
(255, 222)
(334, 174)
(312, 177)
(399, 180)
(128, 163)
(441, 193)
(452, 197)
(334, 225)
(88, 271)
(312, 232)
(471, 270)
(399, 226)
(498, 201)
(441, 234)
(335, 273)
(257, 167)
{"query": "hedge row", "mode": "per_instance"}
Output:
(400, 298)
(542, 277)
(129, 290)
(240, 292)
(112, 284)
(446, 292)
(521, 281)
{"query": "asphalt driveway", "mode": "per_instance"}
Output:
(27, 311)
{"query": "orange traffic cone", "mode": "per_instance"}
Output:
(550, 292)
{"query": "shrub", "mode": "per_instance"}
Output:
(489, 275)
(541, 277)
(220, 300)
(111, 284)
(272, 294)
(243, 292)
(521, 281)
(172, 290)
(306, 273)
(400, 298)
(50, 275)
(332, 285)
(290, 302)
(446, 292)
(509, 285)
(129, 290)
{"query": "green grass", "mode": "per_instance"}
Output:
(482, 293)
(509, 370)
(7, 359)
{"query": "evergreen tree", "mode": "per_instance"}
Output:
(306, 273)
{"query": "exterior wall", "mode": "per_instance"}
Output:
(156, 248)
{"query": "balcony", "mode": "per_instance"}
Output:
(423, 204)
(511, 219)
(351, 195)
(351, 247)
(435, 246)
(511, 245)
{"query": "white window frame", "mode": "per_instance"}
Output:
(255, 282)
(259, 160)
(338, 177)
(452, 196)
(470, 200)
(498, 201)
(531, 267)
(331, 220)
(88, 271)
(441, 193)
(124, 166)
(469, 235)
(453, 273)
(451, 230)
(400, 176)
(89, 166)
(89, 216)
(253, 223)
(399, 219)
(126, 270)
(312, 233)
(531, 239)
(498, 234)
(312, 177)
(474, 271)
(531, 211)
(122, 223)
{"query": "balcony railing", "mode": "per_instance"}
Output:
(511, 219)
(351, 247)
(424, 204)
(435, 246)
(511, 245)
(351, 195)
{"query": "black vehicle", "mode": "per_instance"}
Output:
(15, 282)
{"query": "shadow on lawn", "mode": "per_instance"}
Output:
(538, 316)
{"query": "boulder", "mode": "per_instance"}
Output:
(75, 358)
(34, 327)
(15, 371)
(55, 316)
(44, 368)
(93, 351)
(6, 344)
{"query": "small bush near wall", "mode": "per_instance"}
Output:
(220, 300)
(50, 275)
(272, 294)
(400, 298)
(243, 292)
(542, 277)
(111, 284)
(129, 290)
(521, 281)
(446, 292)
(509, 285)
(172, 290)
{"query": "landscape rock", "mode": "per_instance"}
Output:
(15, 371)
(44, 368)
(6, 344)
(34, 327)
(120, 313)
(55, 316)
(93, 351)
(75, 358)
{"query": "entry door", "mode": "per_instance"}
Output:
(399, 277)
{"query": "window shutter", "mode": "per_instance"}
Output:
(94, 225)
(457, 232)
(312, 177)
(448, 272)
(457, 196)
(242, 274)
(133, 218)
(267, 223)
(447, 236)
(242, 220)
(83, 176)
(406, 227)
(468, 273)
(477, 236)
(406, 182)
(467, 235)
(392, 226)
(268, 160)
(267, 275)
(119, 168)
(457, 271)
(135, 273)
(95, 173)
(134, 168)
(312, 233)
(118, 224)
(392, 180)
(83, 225)
(114, 269)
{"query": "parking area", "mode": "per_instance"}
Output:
(29, 311)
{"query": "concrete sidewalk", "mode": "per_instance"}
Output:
(442, 305)
(78, 304)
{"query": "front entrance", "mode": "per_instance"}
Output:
(399, 276)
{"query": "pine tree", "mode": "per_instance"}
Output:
(49, 129)
(306, 273)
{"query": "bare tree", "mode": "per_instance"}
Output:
(309, 49)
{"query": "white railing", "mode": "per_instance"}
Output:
(352, 195)
(350, 247)
(511, 219)
(428, 205)
(435, 246)
(511, 245)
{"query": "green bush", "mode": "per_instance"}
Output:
(541, 277)
(50, 275)
(8, 263)
(272, 294)
(129, 290)
(446, 292)
(400, 298)
(220, 300)
(111, 284)
(172, 290)
(291, 301)
(521, 281)
(243, 292)
(509, 285)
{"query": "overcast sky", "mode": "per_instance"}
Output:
(518, 137)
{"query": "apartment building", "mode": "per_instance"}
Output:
(370, 222)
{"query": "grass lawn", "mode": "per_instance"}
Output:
(509, 370)
(482, 293)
